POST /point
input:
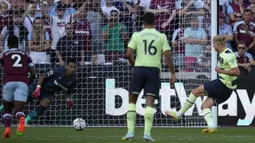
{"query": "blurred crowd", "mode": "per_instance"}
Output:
(236, 22)
(98, 31)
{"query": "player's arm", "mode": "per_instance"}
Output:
(130, 56)
(32, 73)
(169, 61)
(233, 72)
(31, 70)
(168, 57)
(68, 96)
(48, 74)
(231, 61)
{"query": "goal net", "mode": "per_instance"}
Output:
(98, 36)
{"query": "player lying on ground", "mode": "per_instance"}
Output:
(149, 45)
(218, 90)
(16, 65)
(59, 79)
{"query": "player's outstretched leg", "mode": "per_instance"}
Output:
(131, 117)
(7, 117)
(187, 104)
(39, 110)
(1, 108)
(206, 108)
(148, 118)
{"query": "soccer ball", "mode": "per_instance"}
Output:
(79, 124)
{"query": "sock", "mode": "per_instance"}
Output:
(208, 117)
(131, 117)
(148, 120)
(7, 119)
(18, 115)
(187, 104)
(1, 108)
(35, 113)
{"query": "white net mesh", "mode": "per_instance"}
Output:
(97, 33)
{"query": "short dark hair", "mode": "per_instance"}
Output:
(149, 18)
(13, 41)
(247, 10)
(71, 60)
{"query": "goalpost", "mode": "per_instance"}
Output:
(101, 95)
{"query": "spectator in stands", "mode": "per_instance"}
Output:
(29, 17)
(82, 33)
(128, 9)
(143, 6)
(245, 30)
(252, 8)
(69, 46)
(163, 11)
(225, 29)
(4, 14)
(49, 6)
(244, 59)
(182, 7)
(178, 47)
(195, 39)
(238, 18)
(59, 22)
(223, 5)
(237, 6)
(14, 27)
(107, 8)
(115, 35)
(19, 4)
(204, 60)
(38, 43)
(68, 8)
(95, 18)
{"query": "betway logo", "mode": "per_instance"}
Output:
(166, 93)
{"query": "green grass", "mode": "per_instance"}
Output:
(113, 135)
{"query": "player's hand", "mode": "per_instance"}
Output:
(218, 70)
(172, 80)
(69, 103)
(37, 93)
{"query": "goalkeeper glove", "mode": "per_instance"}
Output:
(69, 103)
(37, 92)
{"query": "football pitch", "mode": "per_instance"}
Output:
(113, 135)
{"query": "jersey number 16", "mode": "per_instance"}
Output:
(152, 50)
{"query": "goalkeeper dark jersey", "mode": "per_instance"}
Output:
(55, 81)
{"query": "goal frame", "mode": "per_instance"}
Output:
(214, 32)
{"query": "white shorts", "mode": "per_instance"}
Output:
(15, 91)
(40, 57)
